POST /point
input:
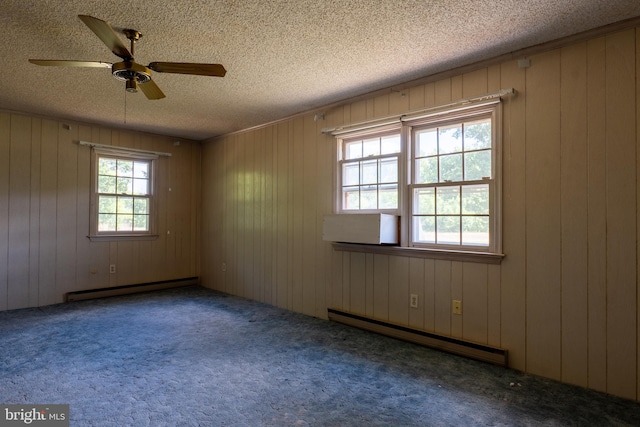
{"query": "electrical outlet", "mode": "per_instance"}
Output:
(224, 266)
(413, 301)
(112, 269)
(456, 307)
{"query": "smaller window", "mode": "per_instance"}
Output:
(370, 172)
(122, 195)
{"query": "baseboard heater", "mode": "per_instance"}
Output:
(131, 289)
(469, 349)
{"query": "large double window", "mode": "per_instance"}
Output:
(440, 173)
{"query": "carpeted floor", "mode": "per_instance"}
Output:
(195, 357)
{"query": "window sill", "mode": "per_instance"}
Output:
(450, 255)
(117, 237)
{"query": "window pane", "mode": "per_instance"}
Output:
(424, 229)
(369, 197)
(141, 222)
(427, 143)
(351, 198)
(388, 197)
(475, 230)
(371, 147)
(125, 205)
(125, 222)
(475, 199)
(351, 174)
(106, 222)
(140, 186)
(477, 165)
(427, 170)
(107, 204)
(369, 171)
(125, 168)
(353, 150)
(451, 168)
(106, 184)
(140, 206)
(141, 170)
(450, 139)
(124, 186)
(448, 201)
(389, 170)
(448, 230)
(477, 135)
(390, 144)
(106, 166)
(424, 201)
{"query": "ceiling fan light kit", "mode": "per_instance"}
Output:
(133, 74)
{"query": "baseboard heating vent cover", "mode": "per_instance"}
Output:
(131, 289)
(469, 349)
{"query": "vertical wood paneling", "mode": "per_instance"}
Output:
(282, 213)
(297, 205)
(5, 155)
(34, 214)
(475, 302)
(596, 215)
(494, 306)
(381, 282)
(513, 282)
(369, 275)
(357, 283)
(442, 297)
(543, 215)
(399, 290)
(621, 214)
(48, 213)
(18, 233)
(83, 188)
(310, 202)
(456, 294)
(416, 286)
(573, 189)
(429, 300)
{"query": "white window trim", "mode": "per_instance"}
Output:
(406, 122)
(128, 154)
(384, 130)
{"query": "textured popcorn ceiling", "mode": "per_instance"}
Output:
(282, 56)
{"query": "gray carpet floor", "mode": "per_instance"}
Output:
(196, 357)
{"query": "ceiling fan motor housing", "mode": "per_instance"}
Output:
(129, 71)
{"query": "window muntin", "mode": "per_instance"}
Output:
(124, 192)
(453, 184)
(370, 172)
(122, 195)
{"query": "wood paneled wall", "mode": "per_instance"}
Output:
(44, 213)
(565, 299)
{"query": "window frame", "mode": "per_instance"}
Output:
(380, 132)
(490, 111)
(151, 158)
(406, 124)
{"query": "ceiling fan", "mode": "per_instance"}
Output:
(128, 70)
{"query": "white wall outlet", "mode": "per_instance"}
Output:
(224, 266)
(112, 269)
(456, 306)
(413, 301)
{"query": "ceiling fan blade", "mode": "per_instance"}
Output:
(65, 63)
(151, 90)
(103, 30)
(215, 70)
